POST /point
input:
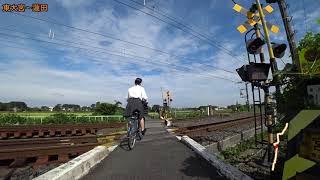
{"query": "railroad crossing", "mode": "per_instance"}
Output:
(163, 153)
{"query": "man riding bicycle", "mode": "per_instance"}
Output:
(136, 98)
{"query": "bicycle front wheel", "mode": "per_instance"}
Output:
(131, 139)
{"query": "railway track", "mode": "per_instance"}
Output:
(42, 144)
(34, 131)
(39, 151)
(209, 119)
(203, 129)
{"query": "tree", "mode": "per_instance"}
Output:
(93, 106)
(85, 108)
(13, 106)
(106, 109)
(20, 106)
(117, 103)
(294, 97)
(309, 53)
(57, 107)
(45, 108)
(155, 108)
(34, 109)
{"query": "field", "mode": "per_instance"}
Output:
(23, 118)
(43, 114)
(191, 114)
(20, 118)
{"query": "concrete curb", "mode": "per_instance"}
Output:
(225, 169)
(230, 141)
(78, 167)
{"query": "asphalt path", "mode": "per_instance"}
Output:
(158, 156)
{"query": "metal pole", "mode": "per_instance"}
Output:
(265, 29)
(267, 38)
(268, 120)
(273, 69)
(273, 62)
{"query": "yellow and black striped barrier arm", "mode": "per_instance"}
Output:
(303, 146)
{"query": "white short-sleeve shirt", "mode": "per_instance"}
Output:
(137, 91)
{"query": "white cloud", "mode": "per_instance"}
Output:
(34, 80)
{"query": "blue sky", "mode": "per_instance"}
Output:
(84, 67)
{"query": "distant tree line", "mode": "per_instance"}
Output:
(13, 106)
(99, 108)
(234, 107)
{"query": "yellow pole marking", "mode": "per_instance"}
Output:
(265, 29)
(276, 146)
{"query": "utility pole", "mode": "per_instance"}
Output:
(290, 33)
(161, 89)
(247, 94)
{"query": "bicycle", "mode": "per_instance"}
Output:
(133, 130)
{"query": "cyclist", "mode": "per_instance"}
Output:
(135, 98)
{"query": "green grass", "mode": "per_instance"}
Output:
(57, 118)
(45, 113)
(224, 111)
(231, 152)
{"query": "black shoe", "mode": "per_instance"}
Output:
(144, 131)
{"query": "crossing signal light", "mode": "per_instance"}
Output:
(254, 72)
(169, 96)
(278, 49)
(254, 45)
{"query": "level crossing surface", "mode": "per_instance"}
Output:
(158, 156)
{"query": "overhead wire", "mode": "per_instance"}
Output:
(171, 18)
(201, 37)
(55, 43)
(99, 61)
(187, 26)
(96, 47)
(106, 36)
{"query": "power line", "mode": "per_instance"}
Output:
(108, 36)
(99, 34)
(201, 37)
(39, 40)
(172, 18)
(99, 61)
(77, 43)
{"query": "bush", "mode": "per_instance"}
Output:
(12, 119)
(60, 118)
(106, 109)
